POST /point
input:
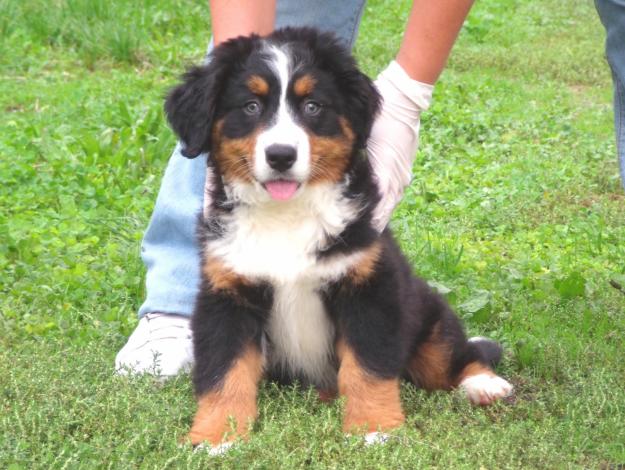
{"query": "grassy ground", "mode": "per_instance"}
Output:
(515, 213)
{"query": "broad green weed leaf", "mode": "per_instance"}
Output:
(571, 286)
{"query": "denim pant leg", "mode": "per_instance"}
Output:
(169, 248)
(612, 14)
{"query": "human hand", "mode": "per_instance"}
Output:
(395, 136)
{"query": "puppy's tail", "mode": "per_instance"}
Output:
(491, 351)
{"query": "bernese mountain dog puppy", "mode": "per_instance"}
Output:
(297, 284)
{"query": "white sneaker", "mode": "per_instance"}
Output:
(161, 345)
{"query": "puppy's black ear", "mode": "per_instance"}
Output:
(191, 106)
(190, 109)
(363, 103)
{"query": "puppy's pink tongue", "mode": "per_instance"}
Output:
(281, 190)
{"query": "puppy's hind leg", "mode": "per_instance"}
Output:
(446, 360)
(477, 379)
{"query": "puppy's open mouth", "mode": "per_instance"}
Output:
(281, 190)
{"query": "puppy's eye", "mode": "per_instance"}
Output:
(311, 108)
(252, 108)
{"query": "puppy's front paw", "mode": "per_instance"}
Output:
(484, 389)
(214, 450)
(376, 437)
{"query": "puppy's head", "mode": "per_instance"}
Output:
(276, 113)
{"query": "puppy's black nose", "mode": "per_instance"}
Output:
(280, 157)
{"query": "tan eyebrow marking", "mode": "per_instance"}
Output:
(258, 85)
(304, 85)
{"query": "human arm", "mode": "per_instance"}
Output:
(406, 87)
(430, 34)
(232, 18)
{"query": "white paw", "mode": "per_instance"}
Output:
(376, 438)
(219, 449)
(484, 389)
(477, 339)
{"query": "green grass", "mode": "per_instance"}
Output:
(515, 213)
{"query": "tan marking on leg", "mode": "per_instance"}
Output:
(258, 85)
(235, 400)
(234, 157)
(474, 368)
(481, 385)
(363, 270)
(221, 277)
(304, 85)
(429, 366)
(330, 155)
(372, 404)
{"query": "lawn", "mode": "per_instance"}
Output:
(515, 213)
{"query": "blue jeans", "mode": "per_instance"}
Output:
(612, 14)
(169, 248)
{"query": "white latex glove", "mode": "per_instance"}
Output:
(395, 136)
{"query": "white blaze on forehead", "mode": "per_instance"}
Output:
(280, 65)
(283, 129)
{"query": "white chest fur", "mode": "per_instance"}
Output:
(278, 242)
(301, 333)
